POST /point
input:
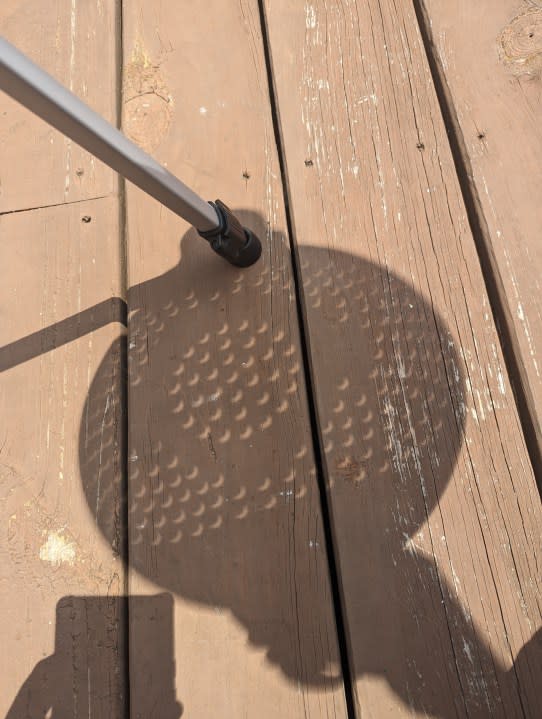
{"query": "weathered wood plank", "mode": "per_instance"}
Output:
(62, 622)
(223, 501)
(435, 510)
(77, 43)
(495, 87)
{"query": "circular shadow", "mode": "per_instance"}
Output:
(223, 502)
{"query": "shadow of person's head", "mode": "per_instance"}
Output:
(223, 501)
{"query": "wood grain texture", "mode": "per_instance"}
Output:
(223, 501)
(76, 42)
(436, 514)
(61, 620)
(495, 85)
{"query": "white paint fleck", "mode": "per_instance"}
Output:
(57, 550)
(203, 110)
(500, 380)
(467, 650)
(214, 397)
(310, 17)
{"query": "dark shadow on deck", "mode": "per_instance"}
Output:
(215, 388)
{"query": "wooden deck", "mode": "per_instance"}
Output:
(306, 489)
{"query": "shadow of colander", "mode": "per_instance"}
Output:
(223, 502)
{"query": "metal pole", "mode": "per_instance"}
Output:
(43, 95)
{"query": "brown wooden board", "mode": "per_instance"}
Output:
(223, 502)
(494, 86)
(76, 42)
(61, 615)
(436, 515)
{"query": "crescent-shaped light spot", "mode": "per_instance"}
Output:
(243, 326)
(141, 493)
(237, 397)
(232, 378)
(168, 502)
(179, 370)
(247, 433)
(289, 477)
(189, 422)
(271, 503)
(205, 358)
(199, 511)
(268, 421)
(263, 399)
(219, 502)
(189, 353)
(264, 486)
(149, 507)
(249, 362)
(195, 379)
(223, 329)
(225, 437)
(177, 537)
(198, 401)
(199, 531)
(174, 312)
(173, 463)
(301, 492)
(219, 482)
(248, 345)
(240, 494)
(216, 415)
(241, 415)
(203, 489)
(157, 540)
(185, 496)
(283, 406)
(262, 328)
(193, 474)
(213, 375)
(175, 389)
(302, 453)
(179, 519)
(205, 434)
(161, 522)
(243, 513)
(268, 355)
(229, 359)
(159, 487)
(216, 524)
(155, 471)
(204, 339)
(176, 482)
